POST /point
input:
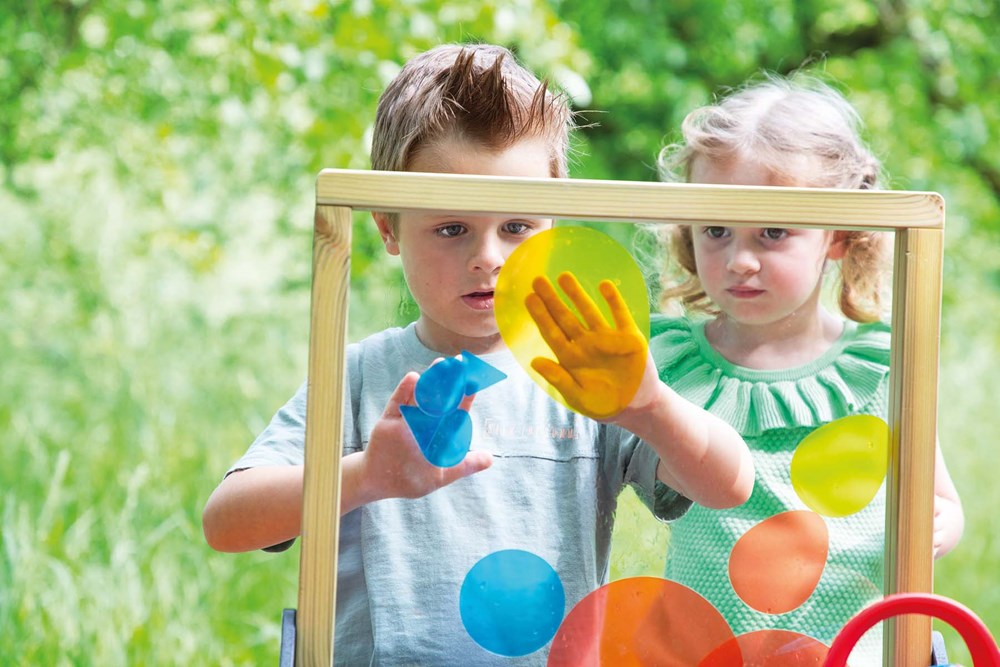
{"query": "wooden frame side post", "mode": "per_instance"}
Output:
(916, 323)
(324, 434)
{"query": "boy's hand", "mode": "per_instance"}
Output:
(394, 466)
(599, 367)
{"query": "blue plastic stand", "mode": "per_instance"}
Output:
(286, 658)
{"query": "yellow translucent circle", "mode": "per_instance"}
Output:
(838, 468)
(591, 256)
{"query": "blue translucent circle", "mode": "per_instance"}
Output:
(512, 602)
(440, 388)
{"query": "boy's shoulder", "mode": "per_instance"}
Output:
(388, 351)
(398, 341)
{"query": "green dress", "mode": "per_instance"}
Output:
(774, 410)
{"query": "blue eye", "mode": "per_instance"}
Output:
(774, 233)
(517, 227)
(716, 232)
(451, 230)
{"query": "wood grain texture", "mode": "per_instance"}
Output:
(622, 201)
(916, 217)
(324, 434)
(916, 322)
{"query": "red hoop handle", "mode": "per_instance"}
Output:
(982, 646)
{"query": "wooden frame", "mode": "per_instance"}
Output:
(917, 218)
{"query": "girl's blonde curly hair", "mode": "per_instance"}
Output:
(805, 133)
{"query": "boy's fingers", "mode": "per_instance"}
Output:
(588, 309)
(560, 313)
(619, 309)
(475, 461)
(555, 375)
(401, 395)
(466, 402)
(551, 332)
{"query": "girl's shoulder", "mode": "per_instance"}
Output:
(848, 379)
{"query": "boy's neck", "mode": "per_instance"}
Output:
(453, 343)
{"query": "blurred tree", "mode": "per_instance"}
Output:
(194, 107)
(923, 75)
(157, 166)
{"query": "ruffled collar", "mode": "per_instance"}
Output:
(842, 382)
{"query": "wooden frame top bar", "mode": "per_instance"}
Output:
(622, 201)
(916, 219)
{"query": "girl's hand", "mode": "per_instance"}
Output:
(947, 525)
(599, 367)
(393, 465)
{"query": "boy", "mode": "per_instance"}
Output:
(538, 476)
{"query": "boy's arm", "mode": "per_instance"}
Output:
(949, 518)
(606, 372)
(254, 508)
(259, 507)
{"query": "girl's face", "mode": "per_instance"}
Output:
(759, 276)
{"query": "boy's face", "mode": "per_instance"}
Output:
(451, 262)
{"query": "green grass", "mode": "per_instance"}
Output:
(109, 461)
(638, 542)
(132, 377)
(969, 424)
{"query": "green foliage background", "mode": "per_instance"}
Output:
(157, 164)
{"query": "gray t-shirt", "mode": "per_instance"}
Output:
(551, 490)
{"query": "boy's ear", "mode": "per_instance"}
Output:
(385, 231)
(838, 246)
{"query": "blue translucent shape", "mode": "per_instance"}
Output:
(451, 441)
(443, 430)
(440, 388)
(445, 440)
(512, 602)
(422, 425)
(478, 374)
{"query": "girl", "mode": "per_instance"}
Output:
(770, 358)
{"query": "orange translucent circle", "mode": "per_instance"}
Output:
(642, 621)
(775, 566)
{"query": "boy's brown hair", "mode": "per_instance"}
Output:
(475, 92)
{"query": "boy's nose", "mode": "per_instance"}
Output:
(487, 255)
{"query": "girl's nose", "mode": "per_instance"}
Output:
(487, 255)
(742, 259)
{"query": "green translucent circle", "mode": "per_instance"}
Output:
(591, 256)
(838, 468)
